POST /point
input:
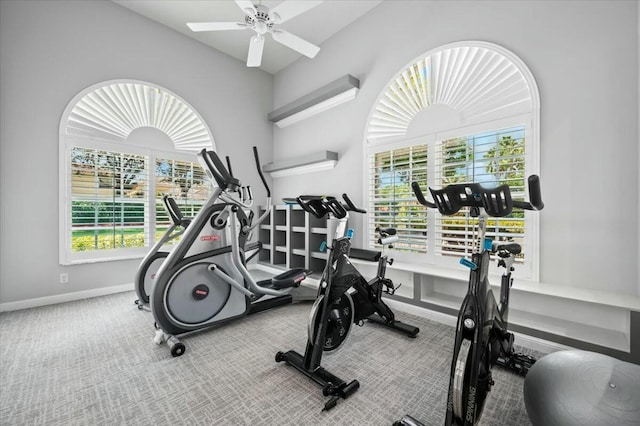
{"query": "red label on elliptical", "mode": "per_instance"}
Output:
(210, 238)
(200, 292)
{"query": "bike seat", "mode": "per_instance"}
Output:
(362, 254)
(387, 231)
(513, 248)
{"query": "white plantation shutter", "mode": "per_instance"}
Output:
(108, 199)
(113, 111)
(481, 100)
(491, 159)
(477, 81)
(186, 182)
(111, 185)
(391, 199)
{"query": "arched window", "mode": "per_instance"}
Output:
(464, 112)
(123, 145)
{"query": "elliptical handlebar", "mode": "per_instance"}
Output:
(174, 210)
(497, 202)
(223, 176)
(214, 167)
(264, 181)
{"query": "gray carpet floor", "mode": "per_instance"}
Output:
(93, 362)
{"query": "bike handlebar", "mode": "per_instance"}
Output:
(351, 206)
(315, 204)
(497, 202)
(320, 205)
(420, 196)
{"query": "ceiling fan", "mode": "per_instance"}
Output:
(263, 20)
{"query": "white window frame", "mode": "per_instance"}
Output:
(527, 270)
(67, 255)
(510, 116)
(171, 115)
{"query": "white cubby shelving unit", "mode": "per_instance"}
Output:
(291, 238)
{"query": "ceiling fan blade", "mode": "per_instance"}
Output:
(288, 9)
(254, 57)
(247, 7)
(295, 43)
(216, 26)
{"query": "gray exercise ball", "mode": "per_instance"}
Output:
(575, 387)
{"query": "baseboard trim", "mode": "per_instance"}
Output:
(421, 312)
(61, 298)
(530, 342)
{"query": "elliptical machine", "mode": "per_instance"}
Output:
(153, 260)
(204, 282)
(344, 298)
(482, 337)
(150, 264)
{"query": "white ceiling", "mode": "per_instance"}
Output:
(315, 25)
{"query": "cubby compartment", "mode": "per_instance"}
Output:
(442, 291)
(279, 258)
(316, 265)
(315, 241)
(297, 261)
(264, 236)
(298, 242)
(298, 217)
(279, 216)
(317, 225)
(264, 255)
(279, 239)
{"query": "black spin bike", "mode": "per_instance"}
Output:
(482, 336)
(344, 298)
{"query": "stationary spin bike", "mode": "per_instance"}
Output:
(204, 281)
(344, 298)
(482, 336)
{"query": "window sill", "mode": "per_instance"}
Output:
(113, 258)
(528, 286)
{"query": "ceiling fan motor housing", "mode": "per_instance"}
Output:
(261, 22)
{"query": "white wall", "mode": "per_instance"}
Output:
(584, 56)
(50, 51)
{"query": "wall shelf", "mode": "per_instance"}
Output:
(333, 94)
(317, 161)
